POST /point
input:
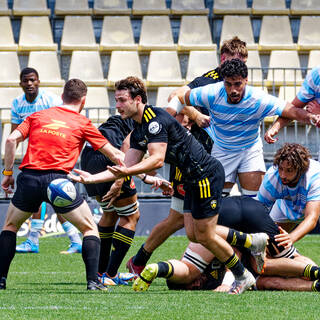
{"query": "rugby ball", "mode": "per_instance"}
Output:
(61, 192)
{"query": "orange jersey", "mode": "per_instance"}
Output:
(56, 137)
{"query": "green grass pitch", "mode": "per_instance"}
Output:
(49, 285)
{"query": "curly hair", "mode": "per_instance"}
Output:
(28, 70)
(297, 156)
(234, 67)
(135, 86)
(234, 47)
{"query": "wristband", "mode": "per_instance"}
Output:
(312, 122)
(7, 172)
(144, 178)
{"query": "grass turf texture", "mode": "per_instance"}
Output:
(49, 285)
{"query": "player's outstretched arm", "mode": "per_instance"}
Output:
(87, 178)
(292, 112)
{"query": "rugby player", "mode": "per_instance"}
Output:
(291, 189)
(230, 49)
(56, 137)
(199, 270)
(236, 111)
(167, 141)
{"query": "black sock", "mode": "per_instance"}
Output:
(90, 256)
(237, 238)
(142, 257)
(105, 234)
(316, 286)
(311, 272)
(235, 265)
(8, 241)
(121, 242)
(165, 269)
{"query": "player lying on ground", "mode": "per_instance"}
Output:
(199, 270)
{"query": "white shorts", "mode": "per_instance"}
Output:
(177, 204)
(235, 162)
(281, 213)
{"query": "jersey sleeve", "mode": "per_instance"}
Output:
(271, 105)
(314, 189)
(203, 96)
(308, 90)
(268, 193)
(24, 127)
(15, 118)
(94, 136)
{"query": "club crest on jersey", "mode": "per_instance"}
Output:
(154, 127)
(213, 204)
(143, 143)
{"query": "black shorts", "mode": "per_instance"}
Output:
(203, 197)
(32, 191)
(95, 162)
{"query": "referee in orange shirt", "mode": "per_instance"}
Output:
(56, 137)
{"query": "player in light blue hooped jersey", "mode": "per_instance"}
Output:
(308, 95)
(236, 111)
(32, 100)
(291, 187)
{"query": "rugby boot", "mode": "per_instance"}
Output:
(143, 282)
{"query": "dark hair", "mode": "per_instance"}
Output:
(73, 91)
(234, 47)
(135, 86)
(234, 67)
(28, 70)
(297, 156)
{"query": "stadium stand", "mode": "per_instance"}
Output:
(159, 26)
(6, 36)
(271, 38)
(72, 7)
(162, 96)
(4, 10)
(238, 26)
(284, 68)
(10, 69)
(149, 7)
(114, 7)
(303, 7)
(86, 65)
(47, 65)
(117, 34)
(30, 8)
(288, 93)
(7, 94)
(164, 69)
(200, 62)
(195, 34)
(276, 7)
(36, 34)
(183, 7)
(231, 7)
(255, 75)
(314, 59)
(308, 38)
(78, 34)
(123, 64)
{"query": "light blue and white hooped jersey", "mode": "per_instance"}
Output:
(294, 199)
(21, 108)
(310, 88)
(236, 126)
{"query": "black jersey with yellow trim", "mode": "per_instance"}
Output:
(212, 76)
(183, 150)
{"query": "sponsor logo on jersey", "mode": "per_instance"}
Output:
(52, 128)
(180, 189)
(154, 127)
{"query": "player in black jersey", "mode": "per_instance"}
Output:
(125, 208)
(231, 49)
(199, 270)
(167, 141)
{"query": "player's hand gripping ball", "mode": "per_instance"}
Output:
(61, 192)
